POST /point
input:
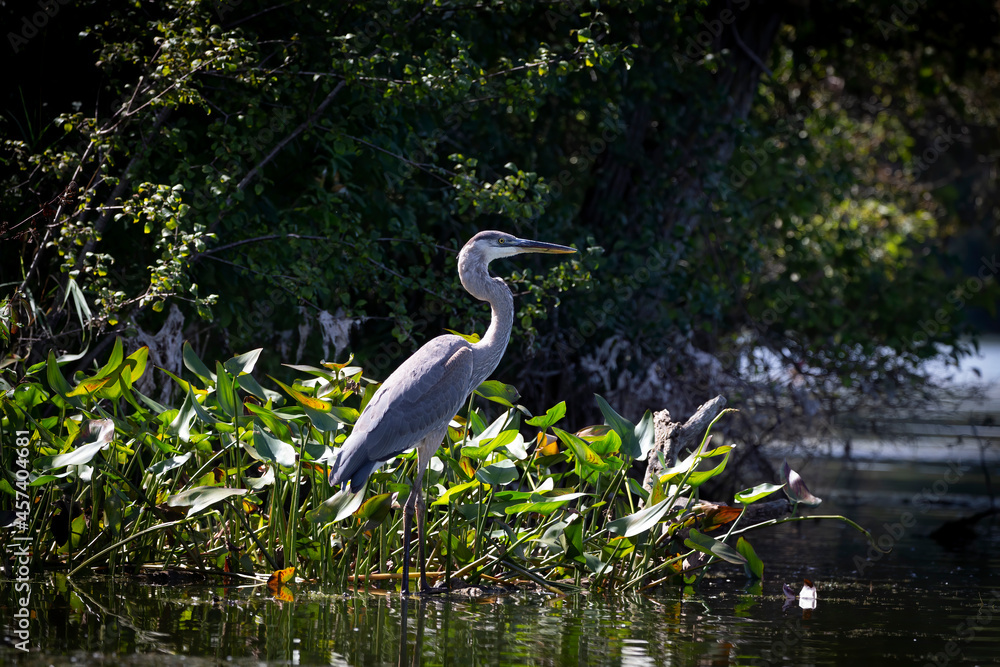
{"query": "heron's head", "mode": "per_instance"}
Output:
(490, 245)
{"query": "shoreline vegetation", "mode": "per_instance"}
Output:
(232, 482)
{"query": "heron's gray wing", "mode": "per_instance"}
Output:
(422, 394)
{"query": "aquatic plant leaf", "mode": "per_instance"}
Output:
(243, 363)
(202, 497)
(196, 365)
(645, 435)
(498, 474)
(181, 425)
(58, 383)
(699, 477)
(498, 392)
(487, 445)
(167, 465)
(269, 448)
(639, 522)
(714, 515)
(748, 496)
(320, 413)
(795, 487)
(754, 566)
(623, 427)
(714, 547)
(224, 391)
(551, 416)
(95, 434)
(581, 450)
(455, 491)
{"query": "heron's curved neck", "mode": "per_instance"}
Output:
(487, 353)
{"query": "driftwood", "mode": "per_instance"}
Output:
(672, 437)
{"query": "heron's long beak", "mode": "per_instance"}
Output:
(525, 245)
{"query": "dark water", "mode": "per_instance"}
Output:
(925, 603)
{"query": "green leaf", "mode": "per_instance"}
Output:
(645, 435)
(202, 497)
(196, 365)
(754, 566)
(498, 474)
(714, 547)
(243, 363)
(483, 450)
(337, 507)
(747, 496)
(498, 392)
(181, 425)
(224, 391)
(268, 448)
(456, 491)
(640, 521)
(167, 465)
(581, 450)
(58, 383)
(623, 427)
(551, 416)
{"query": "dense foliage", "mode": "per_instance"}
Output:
(768, 183)
(234, 480)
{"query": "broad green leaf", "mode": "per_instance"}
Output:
(551, 416)
(639, 522)
(581, 451)
(141, 358)
(58, 383)
(543, 504)
(167, 465)
(754, 566)
(181, 425)
(498, 392)
(483, 450)
(269, 448)
(455, 491)
(498, 474)
(645, 435)
(271, 420)
(747, 496)
(196, 365)
(224, 391)
(714, 547)
(243, 363)
(374, 510)
(258, 483)
(699, 477)
(94, 436)
(623, 427)
(320, 412)
(337, 507)
(202, 497)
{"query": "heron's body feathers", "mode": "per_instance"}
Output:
(428, 389)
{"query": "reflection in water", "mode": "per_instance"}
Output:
(907, 605)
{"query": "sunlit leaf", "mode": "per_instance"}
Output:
(269, 448)
(498, 474)
(754, 566)
(581, 451)
(795, 487)
(639, 522)
(498, 392)
(551, 416)
(196, 365)
(243, 363)
(712, 546)
(747, 496)
(167, 465)
(202, 497)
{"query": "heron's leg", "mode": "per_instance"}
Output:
(407, 533)
(425, 451)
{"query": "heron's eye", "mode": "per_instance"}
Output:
(501, 241)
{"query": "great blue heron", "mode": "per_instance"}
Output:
(413, 406)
